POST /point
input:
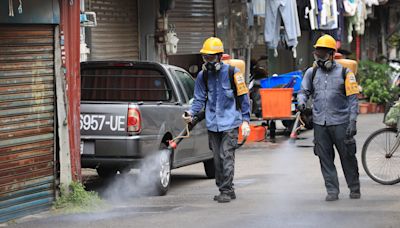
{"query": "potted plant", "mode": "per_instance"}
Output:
(363, 107)
(376, 86)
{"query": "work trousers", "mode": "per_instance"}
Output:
(223, 145)
(325, 137)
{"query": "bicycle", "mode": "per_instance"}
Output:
(381, 157)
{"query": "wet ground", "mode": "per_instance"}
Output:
(277, 185)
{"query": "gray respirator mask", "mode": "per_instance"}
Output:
(325, 62)
(211, 63)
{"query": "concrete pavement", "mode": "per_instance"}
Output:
(277, 185)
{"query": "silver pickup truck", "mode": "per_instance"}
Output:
(130, 110)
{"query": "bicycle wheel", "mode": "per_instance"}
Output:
(379, 163)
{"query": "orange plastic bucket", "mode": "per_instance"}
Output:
(276, 103)
(257, 134)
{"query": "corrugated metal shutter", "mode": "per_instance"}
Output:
(194, 22)
(26, 120)
(116, 36)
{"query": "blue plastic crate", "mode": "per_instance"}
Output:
(282, 80)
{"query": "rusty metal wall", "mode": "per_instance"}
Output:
(116, 36)
(70, 26)
(26, 120)
(194, 22)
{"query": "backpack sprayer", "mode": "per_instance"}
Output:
(185, 133)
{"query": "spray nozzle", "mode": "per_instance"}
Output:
(172, 144)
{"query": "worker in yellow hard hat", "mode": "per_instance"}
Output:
(324, 53)
(222, 91)
(335, 108)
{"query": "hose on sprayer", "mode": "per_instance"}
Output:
(185, 133)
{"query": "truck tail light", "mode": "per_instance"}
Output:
(134, 121)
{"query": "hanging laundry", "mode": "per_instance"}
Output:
(20, 7)
(296, 18)
(285, 10)
(303, 7)
(313, 14)
(10, 8)
(350, 7)
(250, 15)
(259, 8)
(329, 15)
(325, 17)
(357, 22)
(341, 23)
(370, 3)
(361, 17)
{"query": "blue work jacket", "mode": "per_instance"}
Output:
(220, 102)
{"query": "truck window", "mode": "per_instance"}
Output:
(187, 83)
(124, 84)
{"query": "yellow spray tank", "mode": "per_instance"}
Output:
(348, 63)
(238, 63)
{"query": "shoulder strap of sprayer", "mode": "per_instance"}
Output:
(231, 73)
(314, 72)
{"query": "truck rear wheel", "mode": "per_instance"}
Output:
(209, 167)
(162, 172)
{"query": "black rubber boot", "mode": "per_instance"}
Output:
(331, 197)
(355, 195)
(232, 195)
(224, 198)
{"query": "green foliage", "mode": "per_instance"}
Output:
(394, 40)
(77, 199)
(375, 82)
(393, 115)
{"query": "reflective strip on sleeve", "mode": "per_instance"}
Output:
(351, 84)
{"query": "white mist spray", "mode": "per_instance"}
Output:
(143, 181)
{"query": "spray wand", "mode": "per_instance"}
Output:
(185, 133)
(295, 129)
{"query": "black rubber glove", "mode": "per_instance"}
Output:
(301, 107)
(351, 129)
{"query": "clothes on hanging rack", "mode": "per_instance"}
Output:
(328, 15)
(250, 15)
(275, 12)
(303, 7)
(259, 8)
(350, 7)
(341, 23)
(357, 22)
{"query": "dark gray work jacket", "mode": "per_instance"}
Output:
(331, 106)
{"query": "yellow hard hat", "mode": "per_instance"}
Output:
(212, 45)
(326, 41)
